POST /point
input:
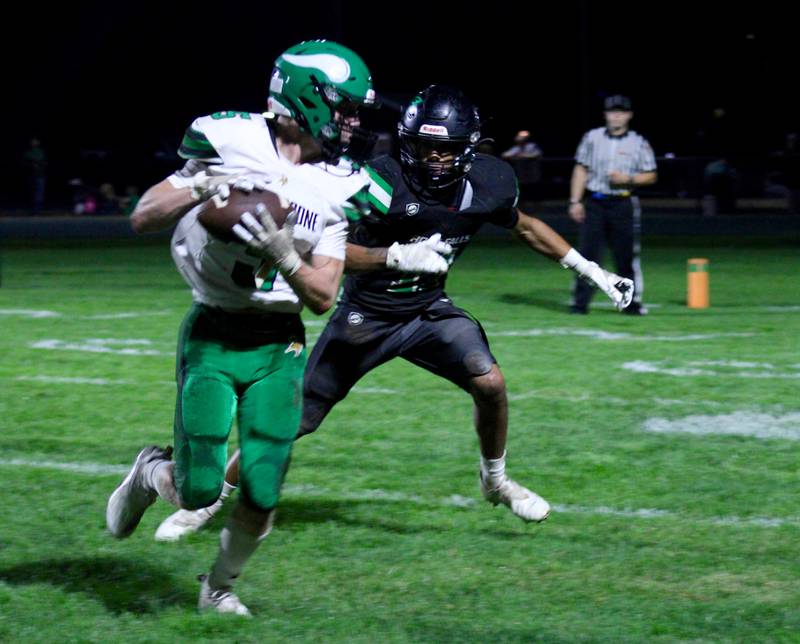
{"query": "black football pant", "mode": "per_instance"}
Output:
(442, 338)
(616, 223)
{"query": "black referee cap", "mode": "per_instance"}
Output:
(617, 102)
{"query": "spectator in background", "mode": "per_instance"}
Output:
(719, 175)
(719, 187)
(525, 157)
(108, 202)
(35, 161)
(84, 201)
(485, 147)
(787, 160)
(129, 201)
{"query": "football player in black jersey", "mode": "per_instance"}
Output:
(434, 200)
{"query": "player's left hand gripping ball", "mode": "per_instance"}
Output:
(218, 188)
(266, 240)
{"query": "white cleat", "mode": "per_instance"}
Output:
(222, 600)
(527, 505)
(183, 522)
(127, 503)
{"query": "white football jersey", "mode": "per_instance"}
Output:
(222, 273)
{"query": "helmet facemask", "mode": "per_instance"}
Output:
(343, 134)
(437, 162)
(439, 133)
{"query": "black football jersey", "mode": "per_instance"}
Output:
(405, 215)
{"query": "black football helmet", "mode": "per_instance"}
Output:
(439, 132)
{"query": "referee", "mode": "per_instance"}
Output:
(611, 162)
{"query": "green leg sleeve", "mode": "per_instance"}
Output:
(269, 416)
(203, 417)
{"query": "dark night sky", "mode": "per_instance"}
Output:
(131, 75)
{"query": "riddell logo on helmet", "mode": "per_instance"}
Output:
(438, 130)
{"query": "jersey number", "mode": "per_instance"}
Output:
(263, 278)
(230, 114)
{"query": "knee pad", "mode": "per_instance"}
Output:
(260, 483)
(478, 363)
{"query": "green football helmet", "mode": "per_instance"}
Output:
(313, 81)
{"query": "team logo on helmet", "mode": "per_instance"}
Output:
(436, 130)
(336, 68)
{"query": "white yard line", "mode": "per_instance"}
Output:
(81, 468)
(739, 423)
(128, 314)
(609, 400)
(67, 380)
(101, 382)
(122, 315)
(736, 364)
(613, 336)
(386, 391)
(32, 313)
(607, 304)
(29, 313)
(719, 368)
(129, 346)
(305, 491)
(374, 390)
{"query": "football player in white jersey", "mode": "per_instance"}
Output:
(241, 352)
(448, 183)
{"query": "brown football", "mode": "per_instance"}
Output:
(219, 220)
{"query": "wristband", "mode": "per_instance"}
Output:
(577, 262)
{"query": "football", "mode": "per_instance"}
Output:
(218, 220)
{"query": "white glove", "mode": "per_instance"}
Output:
(248, 183)
(619, 289)
(265, 239)
(420, 257)
(218, 187)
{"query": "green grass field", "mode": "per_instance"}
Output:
(668, 446)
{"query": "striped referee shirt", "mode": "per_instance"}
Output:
(600, 153)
